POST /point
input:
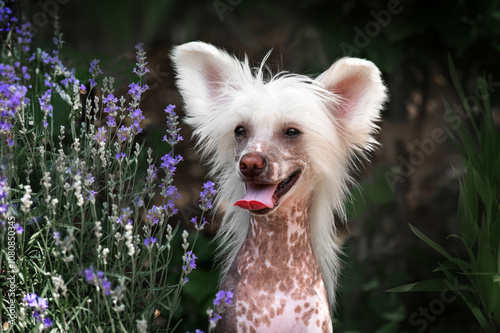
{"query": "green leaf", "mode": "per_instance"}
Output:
(485, 264)
(431, 243)
(476, 311)
(427, 285)
(468, 209)
(483, 187)
(452, 265)
(460, 92)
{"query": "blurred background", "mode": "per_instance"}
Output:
(413, 177)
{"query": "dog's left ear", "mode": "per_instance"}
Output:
(204, 76)
(361, 94)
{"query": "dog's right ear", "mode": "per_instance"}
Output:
(204, 76)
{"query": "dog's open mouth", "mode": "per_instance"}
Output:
(262, 196)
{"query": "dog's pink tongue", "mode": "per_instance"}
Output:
(257, 197)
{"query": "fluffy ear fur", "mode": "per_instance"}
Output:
(358, 84)
(206, 76)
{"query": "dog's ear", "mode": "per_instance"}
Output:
(360, 93)
(204, 75)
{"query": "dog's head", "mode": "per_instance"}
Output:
(269, 139)
(281, 136)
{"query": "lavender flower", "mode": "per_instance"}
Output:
(100, 135)
(40, 305)
(222, 300)
(172, 137)
(4, 195)
(24, 36)
(45, 106)
(98, 280)
(12, 99)
(169, 163)
(171, 194)
(19, 229)
(6, 19)
(31, 299)
(206, 196)
(111, 109)
(120, 156)
(135, 91)
(47, 322)
(223, 297)
(189, 260)
(151, 240)
(201, 225)
(152, 174)
(95, 70)
(141, 64)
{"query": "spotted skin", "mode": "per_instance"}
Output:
(275, 278)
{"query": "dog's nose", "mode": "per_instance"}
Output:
(252, 165)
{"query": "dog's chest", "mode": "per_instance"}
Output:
(277, 284)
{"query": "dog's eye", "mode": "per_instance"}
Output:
(292, 132)
(240, 131)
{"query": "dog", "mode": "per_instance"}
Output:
(281, 148)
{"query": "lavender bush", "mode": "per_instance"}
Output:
(86, 242)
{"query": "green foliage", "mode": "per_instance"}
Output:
(478, 215)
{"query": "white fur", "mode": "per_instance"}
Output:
(337, 114)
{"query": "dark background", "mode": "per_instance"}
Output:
(410, 42)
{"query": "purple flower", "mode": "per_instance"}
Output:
(45, 106)
(170, 193)
(91, 195)
(12, 99)
(152, 215)
(95, 70)
(201, 225)
(151, 173)
(123, 133)
(151, 240)
(24, 36)
(89, 274)
(100, 135)
(120, 156)
(31, 299)
(19, 229)
(189, 261)
(39, 305)
(206, 196)
(106, 285)
(222, 300)
(97, 279)
(47, 322)
(110, 103)
(141, 64)
(94, 67)
(136, 90)
(42, 303)
(169, 163)
(224, 297)
(36, 315)
(172, 137)
(4, 194)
